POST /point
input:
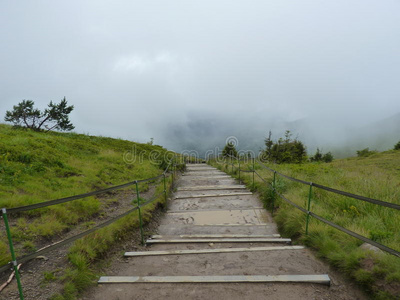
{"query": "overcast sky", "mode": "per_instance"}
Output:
(138, 69)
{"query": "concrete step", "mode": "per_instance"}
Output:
(214, 236)
(211, 187)
(317, 279)
(214, 195)
(211, 203)
(221, 209)
(224, 240)
(195, 176)
(177, 229)
(207, 251)
(243, 217)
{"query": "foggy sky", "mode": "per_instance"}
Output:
(171, 69)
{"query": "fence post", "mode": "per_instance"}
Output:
(308, 207)
(253, 172)
(175, 167)
(172, 170)
(14, 260)
(140, 213)
(273, 193)
(165, 193)
(239, 168)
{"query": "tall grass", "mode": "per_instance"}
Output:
(376, 176)
(38, 166)
(86, 253)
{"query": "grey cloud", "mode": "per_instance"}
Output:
(180, 71)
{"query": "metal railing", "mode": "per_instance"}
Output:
(6, 212)
(307, 210)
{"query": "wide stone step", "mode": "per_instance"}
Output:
(216, 229)
(226, 240)
(214, 195)
(206, 251)
(211, 217)
(317, 279)
(215, 236)
(210, 203)
(211, 210)
(228, 225)
(195, 176)
(211, 187)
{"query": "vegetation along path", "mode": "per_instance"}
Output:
(216, 241)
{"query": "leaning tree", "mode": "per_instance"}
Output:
(55, 116)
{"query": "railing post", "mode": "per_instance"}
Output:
(239, 168)
(140, 213)
(254, 170)
(165, 193)
(273, 193)
(172, 171)
(308, 208)
(231, 165)
(175, 167)
(14, 260)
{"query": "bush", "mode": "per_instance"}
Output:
(319, 156)
(397, 146)
(328, 157)
(365, 152)
(287, 150)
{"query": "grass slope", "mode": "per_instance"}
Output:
(38, 166)
(377, 177)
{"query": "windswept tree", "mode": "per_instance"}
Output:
(229, 150)
(54, 117)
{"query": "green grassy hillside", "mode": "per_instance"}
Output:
(38, 166)
(377, 176)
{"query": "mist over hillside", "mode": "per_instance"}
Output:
(201, 133)
(190, 74)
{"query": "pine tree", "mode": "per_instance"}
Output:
(317, 156)
(229, 150)
(54, 117)
(268, 146)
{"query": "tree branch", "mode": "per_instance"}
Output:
(51, 128)
(26, 123)
(41, 123)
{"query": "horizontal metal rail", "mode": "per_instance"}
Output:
(356, 235)
(330, 223)
(59, 244)
(350, 195)
(80, 196)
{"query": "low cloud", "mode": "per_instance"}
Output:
(189, 74)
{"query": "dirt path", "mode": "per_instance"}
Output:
(224, 237)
